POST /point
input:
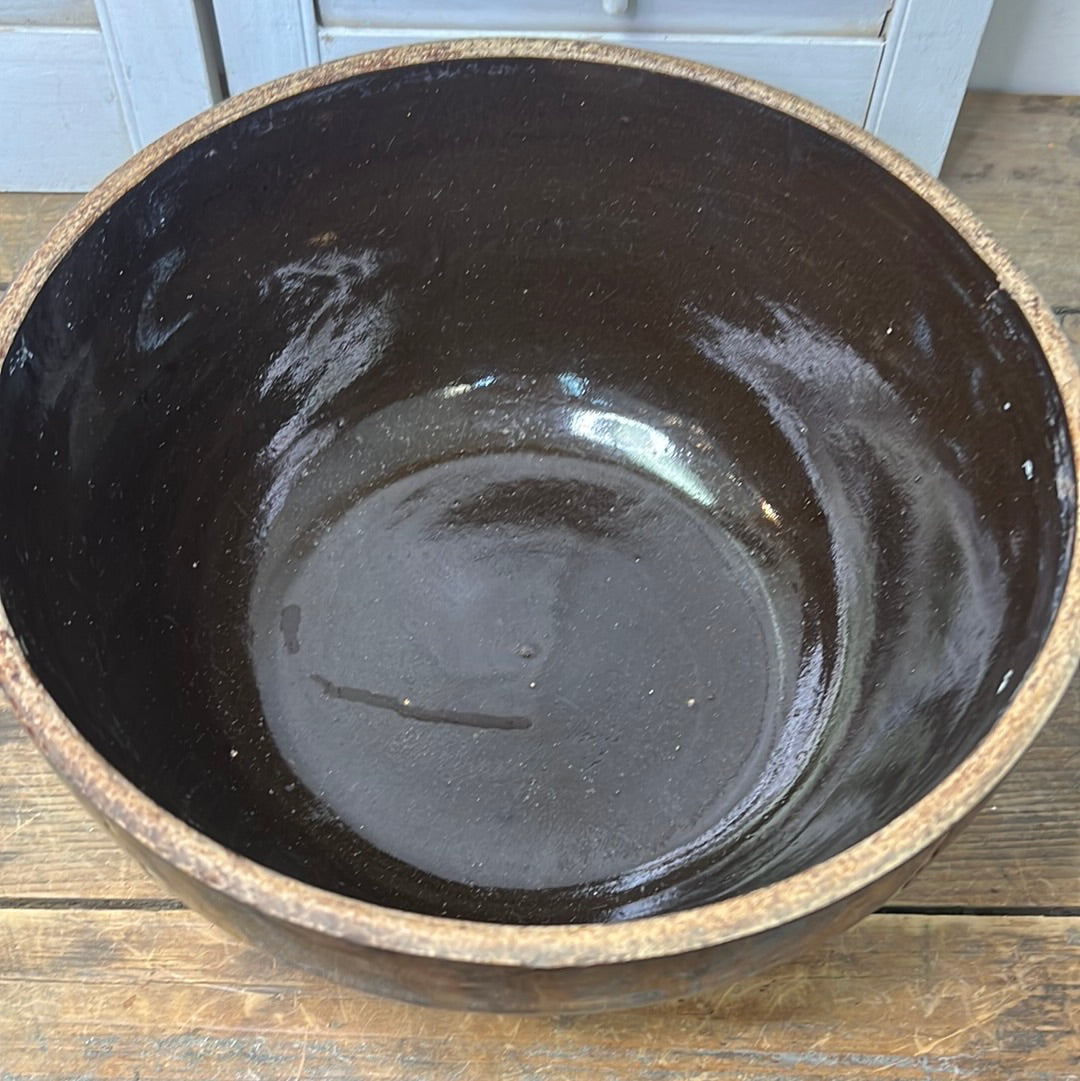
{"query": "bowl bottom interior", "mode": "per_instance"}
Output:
(511, 640)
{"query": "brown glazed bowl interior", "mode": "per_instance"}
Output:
(531, 525)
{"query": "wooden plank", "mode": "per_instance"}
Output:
(49, 846)
(1023, 848)
(1070, 323)
(836, 72)
(1016, 161)
(104, 995)
(930, 48)
(25, 218)
(61, 127)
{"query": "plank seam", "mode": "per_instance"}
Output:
(138, 904)
(980, 910)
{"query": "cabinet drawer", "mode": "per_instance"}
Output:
(848, 18)
(836, 72)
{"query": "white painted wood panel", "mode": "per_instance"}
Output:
(61, 127)
(930, 48)
(158, 63)
(845, 18)
(77, 100)
(835, 72)
(1030, 47)
(263, 39)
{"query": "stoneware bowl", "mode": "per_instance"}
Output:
(533, 526)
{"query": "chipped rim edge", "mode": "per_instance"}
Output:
(553, 946)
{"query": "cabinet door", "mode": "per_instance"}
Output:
(899, 67)
(84, 83)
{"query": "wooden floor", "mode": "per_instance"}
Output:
(973, 972)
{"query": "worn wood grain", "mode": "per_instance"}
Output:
(1023, 849)
(25, 218)
(49, 846)
(96, 995)
(1015, 160)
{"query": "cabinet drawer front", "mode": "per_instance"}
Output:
(848, 18)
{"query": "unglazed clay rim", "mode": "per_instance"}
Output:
(296, 902)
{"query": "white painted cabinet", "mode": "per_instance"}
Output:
(84, 83)
(899, 67)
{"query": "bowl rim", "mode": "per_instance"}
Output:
(902, 839)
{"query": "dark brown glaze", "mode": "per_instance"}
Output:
(530, 491)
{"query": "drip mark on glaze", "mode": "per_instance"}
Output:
(290, 627)
(404, 708)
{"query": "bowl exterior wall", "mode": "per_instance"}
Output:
(455, 985)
